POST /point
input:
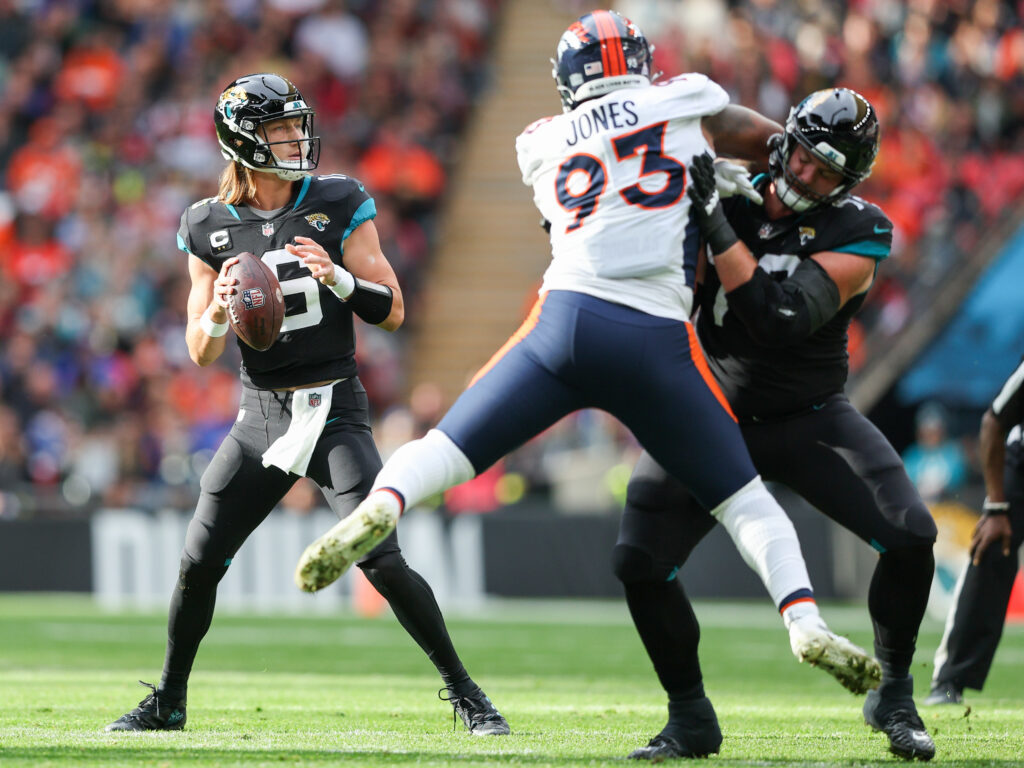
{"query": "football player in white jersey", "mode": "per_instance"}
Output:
(610, 330)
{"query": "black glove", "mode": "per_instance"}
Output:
(708, 207)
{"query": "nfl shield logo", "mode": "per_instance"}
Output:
(253, 298)
(765, 231)
(314, 400)
(268, 229)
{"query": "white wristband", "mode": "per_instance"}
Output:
(211, 328)
(344, 283)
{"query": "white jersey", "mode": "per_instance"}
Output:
(610, 176)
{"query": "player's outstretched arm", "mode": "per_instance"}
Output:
(740, 132)
(207, 310)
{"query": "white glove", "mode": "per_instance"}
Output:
(732, 179)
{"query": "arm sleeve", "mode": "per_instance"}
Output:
(777, 314)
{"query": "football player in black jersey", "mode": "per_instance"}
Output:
(303, 411)
(975, 623)
(785, 277)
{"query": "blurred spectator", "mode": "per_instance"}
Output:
(936, 463)
(105, 136)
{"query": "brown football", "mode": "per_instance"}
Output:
(256, 310)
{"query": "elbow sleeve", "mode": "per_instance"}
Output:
(777, 314)
(371, 301)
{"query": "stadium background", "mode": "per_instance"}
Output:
(105, 136)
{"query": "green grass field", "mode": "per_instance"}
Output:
(572, 678)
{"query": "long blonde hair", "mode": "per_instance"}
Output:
(237, 185)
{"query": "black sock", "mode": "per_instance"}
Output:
(416, 609)
(191, 613)
(669, 630)
(897, 600)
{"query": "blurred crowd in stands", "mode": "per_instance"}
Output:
(106, 135)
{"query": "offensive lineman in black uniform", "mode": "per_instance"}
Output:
(303, 410)
(787, 277)
(975, 623)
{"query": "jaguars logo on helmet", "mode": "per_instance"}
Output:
(599, 53)
(252, 101)
(838, 127)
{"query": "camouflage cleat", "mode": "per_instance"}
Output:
(151, 715)
(851, 665)
(478, 714)
(327, 558)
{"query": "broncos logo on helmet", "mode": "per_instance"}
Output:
(600, 52)
(839, 128)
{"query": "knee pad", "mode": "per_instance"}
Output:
(921, 525)
(633, 566)
(383, 567)
(193, 575)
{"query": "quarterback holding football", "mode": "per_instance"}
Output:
(303, 411)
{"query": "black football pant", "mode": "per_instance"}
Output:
(975, 624)
(237, 494)
(841, 464)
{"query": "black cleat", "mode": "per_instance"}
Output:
(694, 732)
(152, 715)
(481, 717)
(891, 709)
(945, 693)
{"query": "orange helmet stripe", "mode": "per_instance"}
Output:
(612, 57)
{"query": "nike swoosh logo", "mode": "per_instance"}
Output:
(330, 420)
(882, 231)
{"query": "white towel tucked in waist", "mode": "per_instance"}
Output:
(292, 450)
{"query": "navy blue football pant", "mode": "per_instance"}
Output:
(576, 351)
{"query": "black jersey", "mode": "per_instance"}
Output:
(762, 382)
(317, 341)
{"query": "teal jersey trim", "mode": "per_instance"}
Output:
(870, 248)
(182, 246)
(364, 212)
(302, 192)
(233, 211)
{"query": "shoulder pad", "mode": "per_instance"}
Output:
(535, 125)
(200, 211)
(688, 96)
(337, 186)
(857, 226)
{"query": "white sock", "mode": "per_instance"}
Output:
(423, 467)
(766, 539)
(802, 611)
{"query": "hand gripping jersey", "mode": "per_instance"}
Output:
(765, 382)
(317, 341)
(611, 178)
